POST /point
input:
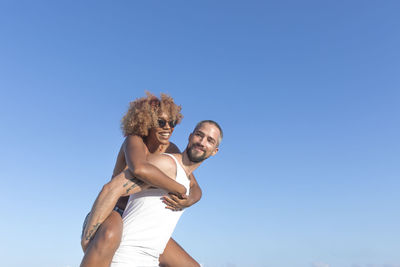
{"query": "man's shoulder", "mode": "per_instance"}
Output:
(158, 158)
(165, 163)
(172, 148)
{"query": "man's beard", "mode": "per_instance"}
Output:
(192, 157)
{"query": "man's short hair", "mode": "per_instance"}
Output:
(221, 134)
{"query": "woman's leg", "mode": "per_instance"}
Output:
(101, 249)
(175, 256)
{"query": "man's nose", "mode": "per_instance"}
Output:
(203, 141)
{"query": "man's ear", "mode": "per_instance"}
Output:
(215, 151)
(190, 136)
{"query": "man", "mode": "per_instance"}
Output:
(148, 225)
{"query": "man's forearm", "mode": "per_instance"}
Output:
(106, 200)
(195, 194)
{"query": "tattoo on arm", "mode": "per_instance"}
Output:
(130, 188)
(91, 233)
(136, 182)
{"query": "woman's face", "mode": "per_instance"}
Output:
(162, 133)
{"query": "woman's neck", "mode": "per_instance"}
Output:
(156, 148)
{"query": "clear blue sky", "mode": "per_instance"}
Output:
(307, 93)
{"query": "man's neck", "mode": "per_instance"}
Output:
(188, 165)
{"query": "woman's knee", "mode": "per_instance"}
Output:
(109, 235)
(110, 232)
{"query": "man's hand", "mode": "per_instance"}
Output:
(175, 203)
(84, 244)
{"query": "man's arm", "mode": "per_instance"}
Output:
(195, 190)
(175, 203)
(121, 185)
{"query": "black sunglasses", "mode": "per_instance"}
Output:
(162, 123)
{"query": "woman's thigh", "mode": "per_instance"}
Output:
(175, 256)
(105, 242)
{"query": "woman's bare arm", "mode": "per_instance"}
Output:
(136, 160)
(175, 203)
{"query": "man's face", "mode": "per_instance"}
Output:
(203, 142)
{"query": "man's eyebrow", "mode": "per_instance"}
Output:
(212, 139)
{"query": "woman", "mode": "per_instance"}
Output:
(147, 125)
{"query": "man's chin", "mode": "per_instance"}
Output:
(196, 159)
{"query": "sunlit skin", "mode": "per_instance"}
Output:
(203, 143)
(100, 250)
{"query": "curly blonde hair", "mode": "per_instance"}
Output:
(143, 113)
